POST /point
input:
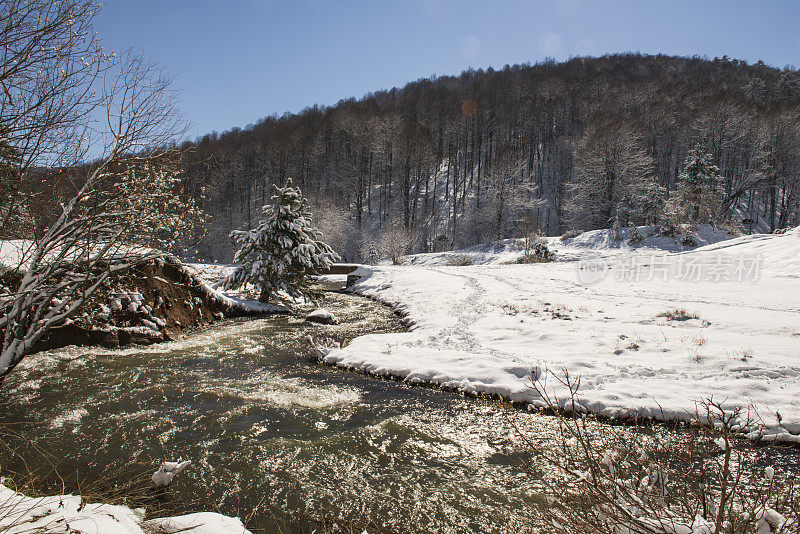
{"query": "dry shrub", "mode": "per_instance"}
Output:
(459, 260)
(702, 480)
(538, 253)
(677, 314)
(43, 474)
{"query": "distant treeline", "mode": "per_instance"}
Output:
(455, 160)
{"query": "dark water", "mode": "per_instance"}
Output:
(277, 438)
(271, 431)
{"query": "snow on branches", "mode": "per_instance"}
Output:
(282, 251)
(700, 190)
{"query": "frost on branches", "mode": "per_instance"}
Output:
(279, 255)
(700, 189)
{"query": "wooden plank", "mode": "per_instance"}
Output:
(341, 268)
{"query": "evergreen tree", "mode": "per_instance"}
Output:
(700, 189)
(282, 251)
(652, 203)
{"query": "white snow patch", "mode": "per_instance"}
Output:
(199, 523)
(66, 514)
(484, 328)
(167, 471)
(323, 316)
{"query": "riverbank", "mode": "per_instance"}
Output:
(151, 302)
(646, 340)
(286, 443)
(70, 514)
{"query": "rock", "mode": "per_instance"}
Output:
(72, 334)
(323, 316)
(167, 471)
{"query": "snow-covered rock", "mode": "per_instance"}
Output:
(323, 316)
(167, 471)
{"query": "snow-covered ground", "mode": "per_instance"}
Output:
(649, 329)
(68, 514)
(599, 242)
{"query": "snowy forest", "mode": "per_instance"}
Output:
(452, 161)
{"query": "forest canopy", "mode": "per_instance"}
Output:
(456, 160)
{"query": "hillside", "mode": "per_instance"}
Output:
(454, 161)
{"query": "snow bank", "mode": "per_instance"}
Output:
(199, 523)
(780, 252)
(647, 345)
(66, 513)
(571, 249)
(505, 251)
(13, 252)
(603, 239)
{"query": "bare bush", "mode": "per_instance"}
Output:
(395, 241)
(703, 481)
(536, 249)
(458, 260)
(677, 314)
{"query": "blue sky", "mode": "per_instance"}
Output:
(236, 61)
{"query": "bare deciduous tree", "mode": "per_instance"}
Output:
(611, 177)
(64, 99)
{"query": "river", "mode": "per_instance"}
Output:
(274, 434)
(276, 437)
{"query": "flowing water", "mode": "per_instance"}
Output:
(269, 430)
(279, 437)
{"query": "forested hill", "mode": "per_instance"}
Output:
(455, 160)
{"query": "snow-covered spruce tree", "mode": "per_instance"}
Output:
(280, 254)
(700, 188)
(635, 236)
(669, 224)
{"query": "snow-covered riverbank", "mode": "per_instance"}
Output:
(69, 514)
(649, 331)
